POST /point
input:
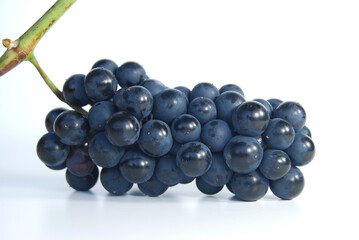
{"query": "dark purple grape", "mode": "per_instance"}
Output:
(79, 162)
(249, 187)
(154, 86)
(293, 113)
(169, 104)
(153, 187)
(205, 188)
(231, 87)
(99, 114)
(250, 119)
(130, 74)
(289, 186)
(226, 103)
(51, 116)
(74, 91)
(302, 150)
(113, 181)
(106, 63)
(100, 84)
(122, 129)
(203, 109)
(72, 128)
(51, 151)
(82, 183)
(135, 100)
(103, 153)
(155, 139)
(219, 173)
(216, 134)
(204, 89)
(194, 159)
(136, 167)
(167, 171)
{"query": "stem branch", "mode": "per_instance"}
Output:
(31, 58)
(23, 48)
(19, 50)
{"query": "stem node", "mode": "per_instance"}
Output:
(7, 43)
(23, 48)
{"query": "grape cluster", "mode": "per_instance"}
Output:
(156, 137)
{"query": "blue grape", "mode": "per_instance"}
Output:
(155, 139)
(103, 153)
(279, 134)
(136, 100)
(100, 84)
(185, 90)
(72, 128)
(194, 159)
(118, 94)
(293, 113)
(216, 134)
(57, 167)
(79, 163)
(226, 103)
(186, 128)
(266, 104)
(204, 89)
(106, 63)
(203, 109)
(136, 167)
(122, 129)
(154, 86)
(186, 179)
(51, 151)
(289, 186)
(274, 102)
(205, 188)
(250, 119)
(275, 164)
(302, 150)
(231, 87)
(99, 114)
(249, 187)
(153, 187)
(169, 104)
(74, 91)
(219, 173)
(51, 116)
(113, 181)
(243, 154)
(167, 171)
(82, 183)
(130, 74)
(305, 130)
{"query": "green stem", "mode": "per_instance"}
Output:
(23, 48)
(31, 58)
(19, 50)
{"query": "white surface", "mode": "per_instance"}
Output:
(305, 51)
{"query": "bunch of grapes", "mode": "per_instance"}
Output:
(156, 137)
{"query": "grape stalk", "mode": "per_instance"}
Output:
(23, 48)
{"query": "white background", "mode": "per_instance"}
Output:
(306, 51)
